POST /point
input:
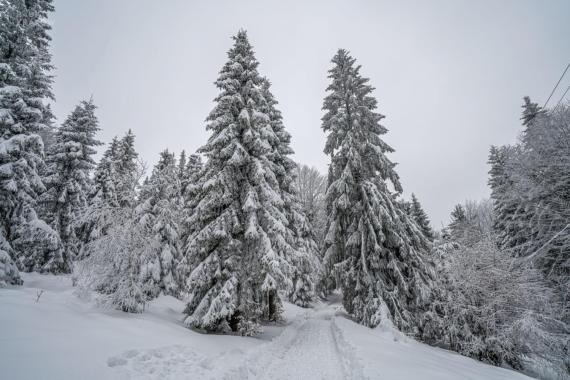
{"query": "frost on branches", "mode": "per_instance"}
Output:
(373, 248)
(118, 265)
(159, 214)
(239, 241)
(500, 310)
(530, 183)
(67, 178)
(9, 274)
(25, 85)
(115, 185)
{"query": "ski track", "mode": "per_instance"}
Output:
(311, 347)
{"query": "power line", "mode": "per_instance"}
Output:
(555, 87)
(562, 97)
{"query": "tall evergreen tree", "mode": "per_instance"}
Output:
(25, 88)
(510, 236)
(190, 185)
(238, 244)
(159, 213)
(182, 170)
(69, 164)
(374, 247)
(189, 174)
(126, 167)
(421, 218)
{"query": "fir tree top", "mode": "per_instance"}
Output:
(353, 125)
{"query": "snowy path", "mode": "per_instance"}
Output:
(311, 347)
(312, 353)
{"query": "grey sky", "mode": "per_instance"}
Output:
(449, 75)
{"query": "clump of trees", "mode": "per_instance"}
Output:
(238, 227)
(506, 260)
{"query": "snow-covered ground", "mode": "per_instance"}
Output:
(65, 337)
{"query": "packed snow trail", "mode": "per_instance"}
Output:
(311, 347)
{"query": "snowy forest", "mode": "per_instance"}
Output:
(238, 230)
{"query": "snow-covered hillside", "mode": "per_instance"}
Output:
(64, 337)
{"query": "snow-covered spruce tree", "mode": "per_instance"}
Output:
(543, 175)
(304, 260)
(159, 214)
(25, 86)
(9, 274)
(421, 217)
(182, 171)
(501, 193)
(238, 244)
(189, 175)
(456, 225)
(69, 163)
(125, 160)
(373, 247)
(190, 185)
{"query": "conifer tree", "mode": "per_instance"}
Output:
(9, 274)
(458, 218)
(189, 174)
(182, 170)
(25, 87)
(372, 246)
(69, 163)
(97, 217)
(190, 189)
(421, 218)
(505, 202)
(159, 213)
(238, 243)
(115, 184)
(304, 260)
(126, 167)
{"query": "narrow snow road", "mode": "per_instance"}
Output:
(311, 354)
(311, 347)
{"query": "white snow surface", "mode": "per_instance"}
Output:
(63, 336)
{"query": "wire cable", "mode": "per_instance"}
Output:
(562, 97)
(555, 87)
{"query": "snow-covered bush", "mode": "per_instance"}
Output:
(121, 265)
(500, 309)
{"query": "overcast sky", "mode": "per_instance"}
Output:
(449, 75)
